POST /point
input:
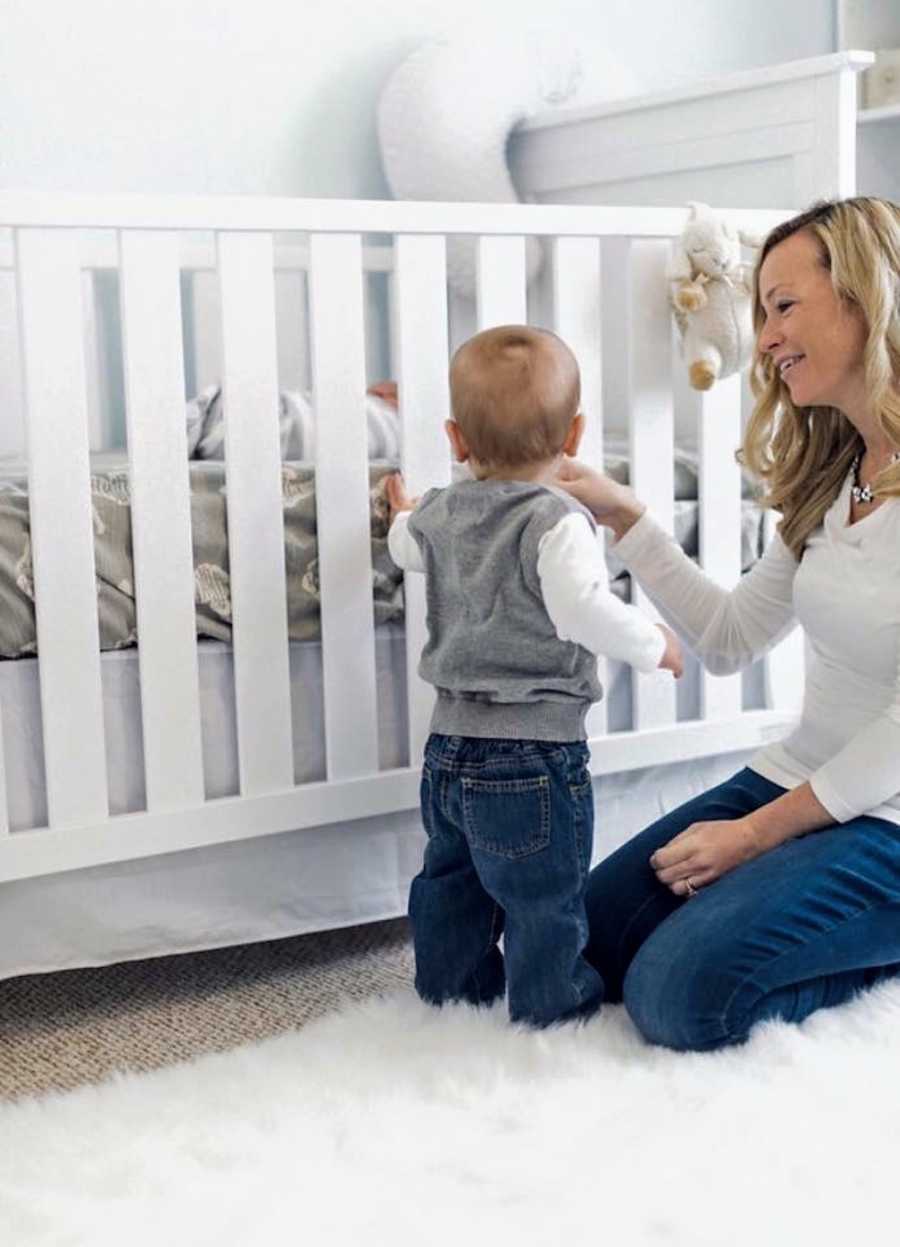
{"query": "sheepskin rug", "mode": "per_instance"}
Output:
(390, 1123)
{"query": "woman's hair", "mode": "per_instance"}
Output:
(514, 391)
(802, 454)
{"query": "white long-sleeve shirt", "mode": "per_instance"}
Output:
(845, 592)
(575, 587)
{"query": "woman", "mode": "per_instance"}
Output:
(778, 892)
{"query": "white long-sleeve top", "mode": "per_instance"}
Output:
(845, 591)
(574, 584)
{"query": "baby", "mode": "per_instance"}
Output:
(518, 608)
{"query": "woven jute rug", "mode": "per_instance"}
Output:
(59, 1031)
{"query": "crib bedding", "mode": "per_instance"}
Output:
(110, 498)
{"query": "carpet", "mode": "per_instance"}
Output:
(389, 1123)
(59, 1031)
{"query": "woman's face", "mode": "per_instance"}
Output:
(814, 339)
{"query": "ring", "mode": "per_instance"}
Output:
(691, 890)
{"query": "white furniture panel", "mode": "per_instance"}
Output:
(255, 521)
(342, 488)
(720, 519)
(61, 525)
(163, 563)
(651, 435)
(577, 318)
(782, 135)
(422, 350)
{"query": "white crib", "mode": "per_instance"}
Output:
(53, 241)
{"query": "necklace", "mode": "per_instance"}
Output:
(863, 493)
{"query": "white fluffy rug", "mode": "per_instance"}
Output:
(391, 1124)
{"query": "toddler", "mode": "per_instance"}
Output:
(518, 608)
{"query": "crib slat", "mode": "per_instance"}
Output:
(161, 519)
(577, 320)
(255, 516)
(651, 438)
(342, 505)
(61, 520)
(720, 520)
(422, 338)
(501, 282)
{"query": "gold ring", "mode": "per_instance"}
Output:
(691, 890)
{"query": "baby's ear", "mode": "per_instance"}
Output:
(574, 435)
(457, 441)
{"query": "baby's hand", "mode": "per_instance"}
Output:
(386, 391)
(672, 659)
(397, 496)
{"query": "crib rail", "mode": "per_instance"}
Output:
(598, 259)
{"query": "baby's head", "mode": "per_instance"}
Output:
(514, 394)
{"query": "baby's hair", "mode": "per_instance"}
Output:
(514, 391)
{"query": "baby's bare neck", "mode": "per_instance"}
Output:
(543, 472)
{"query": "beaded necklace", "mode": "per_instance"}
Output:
(863, 493)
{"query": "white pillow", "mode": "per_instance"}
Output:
(446, 114)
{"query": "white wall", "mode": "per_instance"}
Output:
(271, 97)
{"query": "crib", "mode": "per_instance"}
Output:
(164, 253)
(187, 793)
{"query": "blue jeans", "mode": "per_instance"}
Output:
(510, 826)
(804, 926)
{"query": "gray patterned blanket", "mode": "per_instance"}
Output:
(111, 502)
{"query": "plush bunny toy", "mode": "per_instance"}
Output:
(710, 292)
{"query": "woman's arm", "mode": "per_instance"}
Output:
(727, 629)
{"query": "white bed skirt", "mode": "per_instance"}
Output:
(274, 886)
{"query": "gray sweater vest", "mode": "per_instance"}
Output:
(492, 651)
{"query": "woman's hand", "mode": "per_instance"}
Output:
(704, 852)
(610, 503)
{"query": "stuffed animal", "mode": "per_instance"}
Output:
(710, 292)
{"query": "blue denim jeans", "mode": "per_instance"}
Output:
(510, 826)
(804, 926)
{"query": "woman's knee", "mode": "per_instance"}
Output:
(680, 999)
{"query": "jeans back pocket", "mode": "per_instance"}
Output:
(507, 817)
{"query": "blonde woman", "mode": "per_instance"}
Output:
(778, 892)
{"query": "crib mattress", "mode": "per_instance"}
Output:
(120, 675)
